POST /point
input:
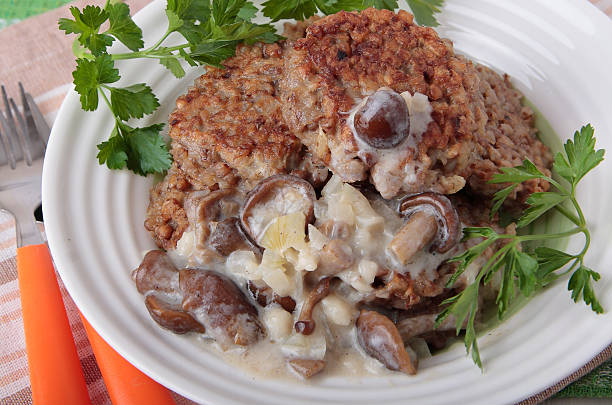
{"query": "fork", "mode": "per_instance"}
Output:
(23, 139)
(23, 134)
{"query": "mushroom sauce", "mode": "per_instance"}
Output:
(285, 278)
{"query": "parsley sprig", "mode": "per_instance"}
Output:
(211, 29)
(522, 269)
(424, 10)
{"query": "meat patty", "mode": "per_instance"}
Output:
(284, 108)
(348, 56)
(510, 137)
(228, 129)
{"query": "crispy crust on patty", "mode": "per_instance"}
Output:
(232, 118)
(510, 137)
(347, 56)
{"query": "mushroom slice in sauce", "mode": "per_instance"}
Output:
(397, 292)
(335, 256)
(380, 339)
(305, 323)
(420, 324)
(228, 236)
(383, 121)
(432, 220)
(273, 197)
(156, 273)
(171, 316)
(207, 208)
(306, 368)
(158, 280)
(263, 294)
(220, 306)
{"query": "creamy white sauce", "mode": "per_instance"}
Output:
(371, 226)
(384, 171)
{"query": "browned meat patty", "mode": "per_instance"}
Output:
(509, 137)
(348, 56)
(228, 129)
(166, 218)
(283, 108)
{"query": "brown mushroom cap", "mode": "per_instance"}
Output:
(263, 294)
(306, 368)
(171, 317)
(449, 226)
(217, 303)
(380, 339)
(228, 237)
(273, 197)
(383, 121)
(204, 208)
(158, 279)
(156, 273)
(335, 256)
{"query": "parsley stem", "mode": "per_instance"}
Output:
(587, 243)
(577, 206)
(110, 107)
(571, 268)
(566, 213)
(557, 185)
(493, 260)
(559, 235)
(146, 53)
(158, 43)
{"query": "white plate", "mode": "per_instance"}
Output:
(559, 55)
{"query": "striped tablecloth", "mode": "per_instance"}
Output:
(35, 52)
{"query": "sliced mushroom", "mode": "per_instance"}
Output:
(305, 323)
(158, 279)
(156, 273)
(431, 221)
(335, 256)
(263, 294)
(383, 121)
(206, 208)
(171, 316)
(397, 292)
(380, 339)
(217, 303)
(306, 368)
(228, 236)
(274, 197)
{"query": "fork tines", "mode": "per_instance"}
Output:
(23, 134)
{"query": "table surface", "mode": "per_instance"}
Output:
(48, 84)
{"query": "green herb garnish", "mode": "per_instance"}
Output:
(524, 270)
(212, 30)
(302, 9)
(425, 10)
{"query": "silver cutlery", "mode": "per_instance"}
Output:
(23, 140)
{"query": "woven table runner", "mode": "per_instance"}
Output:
(44, 67)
